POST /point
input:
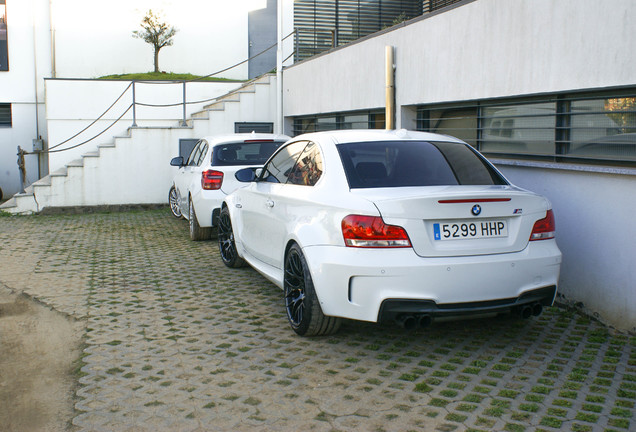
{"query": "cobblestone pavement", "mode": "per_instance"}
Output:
(177, 342)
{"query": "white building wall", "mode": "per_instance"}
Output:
(88, 39)
(497, 48)
(23, 87)
(596, 232)
(94, 39)
(483, 49)
(72, 105)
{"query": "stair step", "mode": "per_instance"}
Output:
(26, 202)
(11, 203)
(44, 181)
(59, 172)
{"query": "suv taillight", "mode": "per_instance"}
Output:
(211, 180)
(544, 228)
(371, 231)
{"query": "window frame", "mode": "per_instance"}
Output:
(375, 119)
(9, 115)
(562, 132)
(265, 174)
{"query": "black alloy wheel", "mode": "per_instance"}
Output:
(301, 303)
(227, 247)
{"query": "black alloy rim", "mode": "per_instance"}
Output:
(174, 205)
(226, 238)
(294, 288)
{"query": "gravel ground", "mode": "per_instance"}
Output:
(174, 341)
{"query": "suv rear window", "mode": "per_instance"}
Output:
(244, 153)
(414, 163)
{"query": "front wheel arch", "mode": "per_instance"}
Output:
(301, 302)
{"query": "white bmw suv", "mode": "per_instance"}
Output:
(207, 176)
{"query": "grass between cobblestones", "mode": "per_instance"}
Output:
(175, 338)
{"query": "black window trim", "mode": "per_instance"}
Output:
(9, 122)
(562, 129)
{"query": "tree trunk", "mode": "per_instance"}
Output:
(156, 60)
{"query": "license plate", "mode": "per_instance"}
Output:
(460, 230)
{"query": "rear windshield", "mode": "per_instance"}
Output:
(414, 163)
(244, 153)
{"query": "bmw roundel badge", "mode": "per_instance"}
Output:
(476, 210)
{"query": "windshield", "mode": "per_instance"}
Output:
(414, 163)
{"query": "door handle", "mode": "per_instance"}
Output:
(269, 203)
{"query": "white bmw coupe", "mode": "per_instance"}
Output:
(390, 225)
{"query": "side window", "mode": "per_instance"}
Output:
(204, 151)
(308, 168)
(194, 154)
(281, 165)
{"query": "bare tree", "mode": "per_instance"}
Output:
(155, 32)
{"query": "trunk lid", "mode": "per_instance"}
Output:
(447, 221)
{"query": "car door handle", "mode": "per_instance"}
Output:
(269, 203)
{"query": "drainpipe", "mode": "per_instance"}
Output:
(279, 68)
(390, 88)
(52, 29)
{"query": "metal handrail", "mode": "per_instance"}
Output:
(135, 103)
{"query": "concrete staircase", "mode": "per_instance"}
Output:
(134, 168)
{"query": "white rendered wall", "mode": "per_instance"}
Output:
(23, 87)
(86, 39)
(484, 49)
(595, 230)
(73, 105)
(94, 39)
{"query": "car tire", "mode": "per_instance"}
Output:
(227, 246)
(173, 200)
(196, 232)
(301, 303)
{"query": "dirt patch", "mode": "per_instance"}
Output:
(39, 348)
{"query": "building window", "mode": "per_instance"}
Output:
(323, 24)
(337, 121)
(603, 128)
(4, 46)
(5, 115)
(518, 128)
(460, 122)
(596, 128)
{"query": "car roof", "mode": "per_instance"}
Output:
(360, 135)
(231, 138)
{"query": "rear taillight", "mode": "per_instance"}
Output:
(211, 179)
(371, 231)
(544, 228)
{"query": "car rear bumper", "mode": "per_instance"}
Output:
(372, 284)
(394, 308)
(207, 205)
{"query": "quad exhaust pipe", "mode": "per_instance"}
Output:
(409, 322)
(412, 321)
(529, 310)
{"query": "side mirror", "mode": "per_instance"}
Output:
(246, 175)
(177, 161)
